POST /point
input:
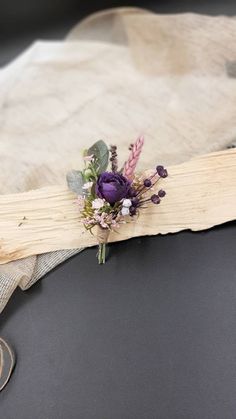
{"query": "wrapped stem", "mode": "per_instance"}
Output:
(101, 253)
(102, 235)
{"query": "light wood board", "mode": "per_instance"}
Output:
(201, 193)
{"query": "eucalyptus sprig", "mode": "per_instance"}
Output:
(99, 154)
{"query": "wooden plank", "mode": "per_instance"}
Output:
(201, 193)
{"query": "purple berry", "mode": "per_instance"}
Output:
(155, 199)
(135, 201)
(147, 183)
(161, 193)
(164, 173)
(132, 193)
(159, 169)
(132, 211)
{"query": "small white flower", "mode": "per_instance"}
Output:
(97, 203)
(125, 211)
(87, 185)
(127, 203)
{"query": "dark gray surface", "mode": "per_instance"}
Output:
(149, 335)
(21, 22)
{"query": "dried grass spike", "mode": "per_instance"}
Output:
(132, 161)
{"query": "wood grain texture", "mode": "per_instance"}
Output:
(201, 193)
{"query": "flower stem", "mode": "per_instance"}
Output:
(102, 253)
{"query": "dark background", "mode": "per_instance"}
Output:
(150, 335)
(23, 21)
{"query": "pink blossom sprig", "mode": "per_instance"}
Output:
(132, 161)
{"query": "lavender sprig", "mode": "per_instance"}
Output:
(113, 158)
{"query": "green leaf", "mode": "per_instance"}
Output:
(75, 181)
(101, 153)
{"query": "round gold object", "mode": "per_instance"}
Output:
(7, 362)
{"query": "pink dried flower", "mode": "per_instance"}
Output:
(88, 221)
(88, 158)
(132, 161)
(80, 202)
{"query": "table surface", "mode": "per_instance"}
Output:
(149, 335)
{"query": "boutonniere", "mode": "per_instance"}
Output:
(109, 198)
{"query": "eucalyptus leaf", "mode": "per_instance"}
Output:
(75, 181)
(101, 153)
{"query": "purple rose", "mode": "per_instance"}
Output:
(112, 187)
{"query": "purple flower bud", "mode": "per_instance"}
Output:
(155, 199)
(147, 183)
(112, 187)
(161, 193)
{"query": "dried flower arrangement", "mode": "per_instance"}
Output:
(107, 199)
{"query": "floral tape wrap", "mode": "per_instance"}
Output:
(102, 235)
